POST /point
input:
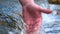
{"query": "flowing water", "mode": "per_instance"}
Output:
(11, 23)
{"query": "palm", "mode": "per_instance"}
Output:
(32, 16)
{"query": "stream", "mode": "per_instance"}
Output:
(15, 24)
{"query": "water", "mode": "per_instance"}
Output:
(50, 25)
(51, 22)
(11, 23)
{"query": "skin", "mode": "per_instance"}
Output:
(32, 15)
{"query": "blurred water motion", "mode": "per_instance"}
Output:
(50, 25)
(51, 22)
(11, 23)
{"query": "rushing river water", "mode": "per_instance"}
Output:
(50, 25)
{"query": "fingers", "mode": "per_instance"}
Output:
(47, 11)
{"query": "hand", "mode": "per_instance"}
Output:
(35, 8)
(32, 15)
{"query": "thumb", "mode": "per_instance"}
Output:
(47, 11)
